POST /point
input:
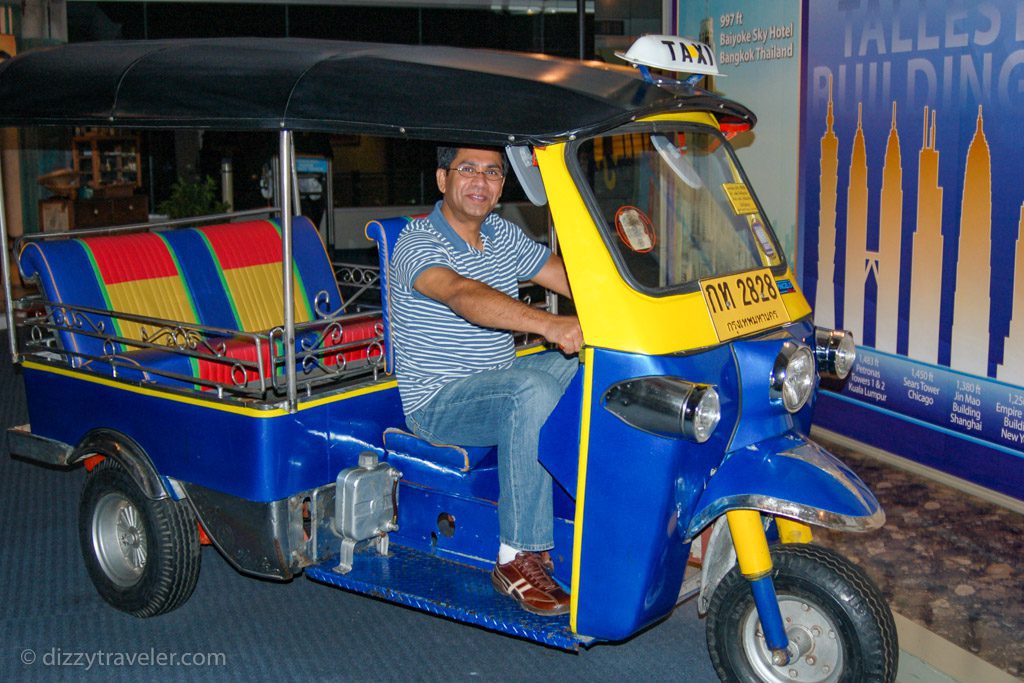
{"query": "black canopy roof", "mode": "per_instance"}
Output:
(440, 93)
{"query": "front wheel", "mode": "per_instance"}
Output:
(142, 554)
(839, 625)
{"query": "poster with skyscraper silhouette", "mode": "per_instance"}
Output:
(911, 207)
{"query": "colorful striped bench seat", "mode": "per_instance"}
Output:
(215, 290)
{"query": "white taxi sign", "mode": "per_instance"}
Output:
(672, 53)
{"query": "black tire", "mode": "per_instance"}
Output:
(142, 555)
(822, 595)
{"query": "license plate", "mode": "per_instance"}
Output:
(744, 303)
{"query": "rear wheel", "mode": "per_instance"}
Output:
(839, 626)
(141, 554)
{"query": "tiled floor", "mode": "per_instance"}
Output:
(947, 561)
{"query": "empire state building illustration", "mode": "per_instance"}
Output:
(1012, 367)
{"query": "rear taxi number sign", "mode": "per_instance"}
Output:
(744, 303)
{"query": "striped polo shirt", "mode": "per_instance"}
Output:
(434, 346)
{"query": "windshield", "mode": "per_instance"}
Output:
(674, 206)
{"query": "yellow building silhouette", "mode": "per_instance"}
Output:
(825, 296)
(890, 241)
(856, 234)
(969, 341)
(1012, 368)
(926, 267)
(971, 304)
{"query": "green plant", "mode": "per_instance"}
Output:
(192, 199)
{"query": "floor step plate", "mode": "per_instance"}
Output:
(460, 592)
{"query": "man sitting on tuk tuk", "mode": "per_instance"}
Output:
(455, 277)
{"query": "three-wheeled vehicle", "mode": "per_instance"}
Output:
(218, 389)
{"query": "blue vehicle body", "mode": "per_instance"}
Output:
(646, 495)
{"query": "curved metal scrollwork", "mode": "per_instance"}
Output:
(352, 274)
(239, 375)
(322, 306)
(315, 350)
(38, 330)
(182, 338)
(375, 354)
(76, 320)
(355, 279)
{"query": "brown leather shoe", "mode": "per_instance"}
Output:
(525, 580)
(546, 561)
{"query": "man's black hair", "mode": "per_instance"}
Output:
(446, 155)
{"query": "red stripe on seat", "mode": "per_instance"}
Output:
(126, 258)
(245, 350)
(222, 371)
(239, 245)
(357, 332)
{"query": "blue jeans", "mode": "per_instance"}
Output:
(506, 408)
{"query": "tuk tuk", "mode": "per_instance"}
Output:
(218, 389)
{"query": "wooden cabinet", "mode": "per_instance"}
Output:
(100, 213)
(58, 214)
(107, 163)
(99, 190)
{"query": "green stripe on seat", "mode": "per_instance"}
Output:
(103, 289)
(223, 282)
(185, 287)
(306, 304)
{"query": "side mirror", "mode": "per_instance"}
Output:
(521, 159)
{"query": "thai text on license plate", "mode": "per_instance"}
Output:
(744, 303)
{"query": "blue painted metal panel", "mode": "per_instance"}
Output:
(480, 483)
(259, 459)
(639, 491)
(475, 539)
(785, 468)
(449, 589)
(760, 417)
(475, 522)
(560, 438)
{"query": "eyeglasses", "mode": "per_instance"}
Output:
(492, 174)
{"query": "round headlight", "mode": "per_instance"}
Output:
(792, 377)
(667, 406)
(835, 352)
(702, 413)
(846, 355)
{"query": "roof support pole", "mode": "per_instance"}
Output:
(285, 154)
(5, 270)
(581, 17)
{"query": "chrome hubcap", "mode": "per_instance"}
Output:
(815, 650)
(119, 539)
